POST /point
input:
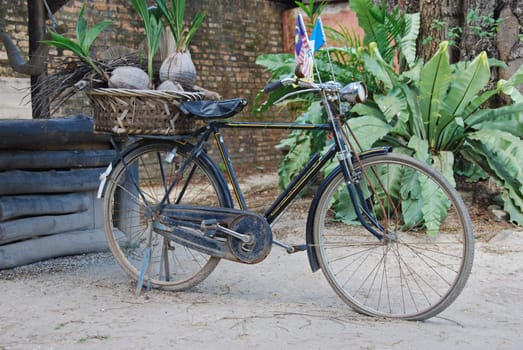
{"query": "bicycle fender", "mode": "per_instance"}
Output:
(107, 173)
(103, 180)
(311, 251)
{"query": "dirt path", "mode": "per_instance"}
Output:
(86, 302)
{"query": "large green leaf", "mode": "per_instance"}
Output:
(408, 41)
(420, 147)
(393, 105)
(500, 154)
(379, 68)
(371, 20)
(416, 124)
(443, 161)
(368, 130)
(435, 205)
(510, 87)
(466, 84)
(507, 118)
(434, 82)
(294, 160)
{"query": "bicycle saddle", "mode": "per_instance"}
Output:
(210, 109)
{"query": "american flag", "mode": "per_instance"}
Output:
(303, 52)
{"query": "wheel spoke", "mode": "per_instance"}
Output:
(133, 198)
(410, 274)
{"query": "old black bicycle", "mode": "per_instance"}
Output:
(391, 235)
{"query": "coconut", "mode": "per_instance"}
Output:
(126, 77)
(170, 86)
(179, 67)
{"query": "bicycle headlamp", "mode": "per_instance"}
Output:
(354, 92)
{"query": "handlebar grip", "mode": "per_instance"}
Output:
(273, 86)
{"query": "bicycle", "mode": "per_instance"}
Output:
(170, 216)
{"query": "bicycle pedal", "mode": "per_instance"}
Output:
(209, 227)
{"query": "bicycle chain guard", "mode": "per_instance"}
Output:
(260, 231)
(183, 225)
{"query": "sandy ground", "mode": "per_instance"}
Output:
(86, 302)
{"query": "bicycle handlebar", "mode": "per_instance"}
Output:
(354, 92)
(274, 85)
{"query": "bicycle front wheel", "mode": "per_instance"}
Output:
(420, 257)
(134, 190)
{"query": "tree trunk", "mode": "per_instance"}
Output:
(480, 36)
(36, 25)
(438, 19)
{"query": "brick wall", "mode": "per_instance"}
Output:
(234, 33)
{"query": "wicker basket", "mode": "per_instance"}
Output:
(140, 112)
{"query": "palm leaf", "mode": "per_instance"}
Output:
(92, 33)
(372, 20)
(195, 25)
(81, 25)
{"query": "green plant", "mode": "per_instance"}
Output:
(485, 26)
(85, 37)
(311, 10)
(433, 111)
(174, 16)
(396, 34)
(153, 31)
(436, 115)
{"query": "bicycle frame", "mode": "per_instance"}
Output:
(300, 181)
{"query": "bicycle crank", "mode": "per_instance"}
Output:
(231, 234)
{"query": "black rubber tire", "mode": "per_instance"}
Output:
(414, 275)
(126, 205)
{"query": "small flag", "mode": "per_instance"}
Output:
(303, 51)
(318, 38)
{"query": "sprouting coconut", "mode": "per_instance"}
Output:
(178, 65)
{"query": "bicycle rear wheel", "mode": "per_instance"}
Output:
(133, 192)
(423, 262)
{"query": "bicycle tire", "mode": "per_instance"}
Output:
(422, 268)
(170, 266)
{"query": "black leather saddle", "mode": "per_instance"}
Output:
(210, 109)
